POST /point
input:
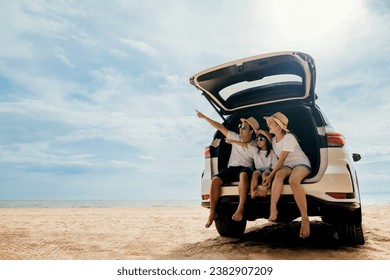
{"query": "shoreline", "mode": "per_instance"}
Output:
(174, 233)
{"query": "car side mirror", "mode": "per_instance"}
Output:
(356, 157)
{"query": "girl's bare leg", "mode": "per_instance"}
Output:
(264, 190)
(254, 184)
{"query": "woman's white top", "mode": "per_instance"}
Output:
(290, 144)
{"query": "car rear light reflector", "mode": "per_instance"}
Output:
(335, 139)
(339, 195)
(207, 152)
(205, 196)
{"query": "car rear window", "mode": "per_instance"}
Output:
(226, 92)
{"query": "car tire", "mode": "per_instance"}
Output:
(350, 234)
(230, 228)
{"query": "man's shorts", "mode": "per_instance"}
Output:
(232, 173)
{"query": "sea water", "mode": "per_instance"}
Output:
(95, 203)
(377, 198)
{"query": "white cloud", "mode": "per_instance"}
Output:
(139, 46)
(61, 54)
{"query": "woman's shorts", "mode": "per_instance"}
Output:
(232, 173)
(303, 165)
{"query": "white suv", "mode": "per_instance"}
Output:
(260, 86)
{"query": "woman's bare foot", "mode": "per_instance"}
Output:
(210, 220)
(273, 216)
(305, 228)
(238, 215)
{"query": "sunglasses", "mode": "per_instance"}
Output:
(243, 126)
(259, 139)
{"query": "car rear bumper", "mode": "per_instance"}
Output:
(332, 212)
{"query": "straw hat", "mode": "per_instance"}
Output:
(266, 134)
(280, 119)
(252, 122)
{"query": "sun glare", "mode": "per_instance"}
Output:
(308, 20)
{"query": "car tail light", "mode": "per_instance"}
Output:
(205, 196)
(339, 195)
(207, 152)
(335, 139)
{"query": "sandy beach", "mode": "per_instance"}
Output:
(174, 233)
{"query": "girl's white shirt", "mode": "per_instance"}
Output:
(262, 161)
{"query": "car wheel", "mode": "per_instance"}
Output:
(230, 228)
(350, 234)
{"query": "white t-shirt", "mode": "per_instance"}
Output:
(290, 144)
(262, 162)
(240, 156)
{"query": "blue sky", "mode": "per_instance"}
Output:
(95, 101)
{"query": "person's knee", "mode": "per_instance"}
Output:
(244, 176)
(216, 182)
(294, 181)
(279, 176)
(256, 175)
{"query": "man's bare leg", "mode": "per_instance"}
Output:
(243, 193)
(215, 193)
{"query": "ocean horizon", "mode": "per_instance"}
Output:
(367, 199)
(91, 203)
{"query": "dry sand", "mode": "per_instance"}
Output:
(174, 233)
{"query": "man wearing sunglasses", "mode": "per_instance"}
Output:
(239, 166)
